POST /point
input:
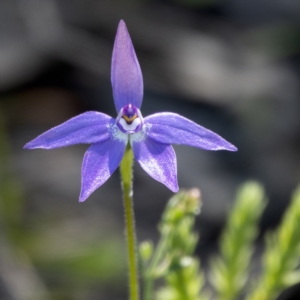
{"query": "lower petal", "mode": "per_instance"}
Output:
(99, 162)
(158, 160)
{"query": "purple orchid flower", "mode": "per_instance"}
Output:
(150, 137)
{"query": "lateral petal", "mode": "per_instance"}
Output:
(158, 160)
(126, 75)
(87, 128)
(171, 128)
(99, 162)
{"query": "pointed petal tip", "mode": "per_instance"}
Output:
(122, 23)
(172, 184)
(82, 198)
(30, 145)
(34, 145)
(231, 147)
(224, 145)
(174, 189)
(84, 194)
(122, 27)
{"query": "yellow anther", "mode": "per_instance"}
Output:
(129, 120)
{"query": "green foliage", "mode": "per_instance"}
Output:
(172, 260)
(281, 255)
(184, 282)
(230, 268)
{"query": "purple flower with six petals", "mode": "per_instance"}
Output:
(150, 138)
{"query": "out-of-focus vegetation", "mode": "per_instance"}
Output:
(230, 271)
(173, 259)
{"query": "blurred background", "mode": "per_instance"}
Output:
(232, 66)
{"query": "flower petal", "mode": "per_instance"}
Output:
(170, 128)
(126, 75)
(99, 162)
(87, 128)
(158, 160)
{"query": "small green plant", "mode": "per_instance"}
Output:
(181, 278)
(230, 269)
(282, 255)
(173, 258)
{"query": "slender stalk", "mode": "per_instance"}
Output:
(126, 181)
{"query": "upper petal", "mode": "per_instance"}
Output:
(99, 162)
(126, 75)
(158, 160)
(87, 128)
(172, 128)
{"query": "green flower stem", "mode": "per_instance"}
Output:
(126, 181)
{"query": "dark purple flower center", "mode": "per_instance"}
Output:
(130, 112)
(130, 119)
